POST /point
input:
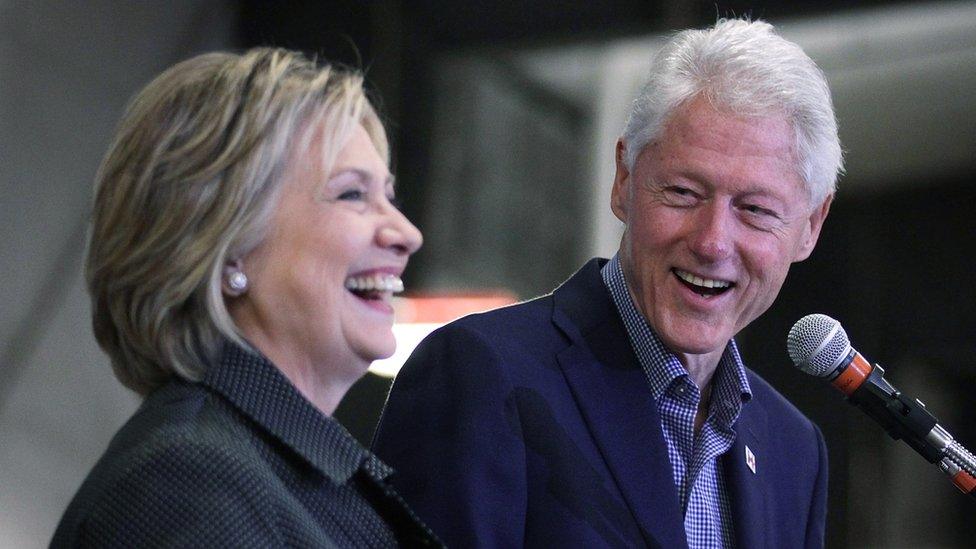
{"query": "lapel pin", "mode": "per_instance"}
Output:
(750, 460)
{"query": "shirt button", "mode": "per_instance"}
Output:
(681, 390)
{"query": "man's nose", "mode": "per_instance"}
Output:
(712, 233)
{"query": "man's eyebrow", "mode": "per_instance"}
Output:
(685, 176)
(758, 189)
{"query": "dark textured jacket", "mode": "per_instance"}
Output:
(239, 459)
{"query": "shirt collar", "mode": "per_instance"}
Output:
(729, 386)
(259, 390)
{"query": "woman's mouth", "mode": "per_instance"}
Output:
(374, 286)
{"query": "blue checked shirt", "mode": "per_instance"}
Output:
(698, 475)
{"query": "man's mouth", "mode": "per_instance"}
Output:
(374, 286)
(703, 286)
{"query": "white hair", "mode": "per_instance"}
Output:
(743, 67)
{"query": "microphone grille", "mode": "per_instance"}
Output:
(817, 343)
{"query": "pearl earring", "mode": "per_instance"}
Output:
(237, 281)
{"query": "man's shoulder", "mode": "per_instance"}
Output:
(536, 311)
(541, 313)
(495, 336)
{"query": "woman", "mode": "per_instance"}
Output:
(243, 252)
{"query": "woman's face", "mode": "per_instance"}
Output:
(321, 282)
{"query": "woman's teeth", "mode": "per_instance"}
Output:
(375, 283)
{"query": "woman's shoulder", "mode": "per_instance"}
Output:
(179, 418)
(181, 466)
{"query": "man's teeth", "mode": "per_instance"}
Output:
(699, 281)
(379, 283)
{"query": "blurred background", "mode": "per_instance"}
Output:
(503, 117)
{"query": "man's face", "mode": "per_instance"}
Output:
(715, 213)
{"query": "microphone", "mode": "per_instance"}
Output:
(819, 346)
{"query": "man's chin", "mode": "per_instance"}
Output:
(696, 340)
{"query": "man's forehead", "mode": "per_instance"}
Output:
(701, 124)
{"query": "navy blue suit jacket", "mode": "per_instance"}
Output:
(534, 425)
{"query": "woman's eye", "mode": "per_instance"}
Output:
(352, 194)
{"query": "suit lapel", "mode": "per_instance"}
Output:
(612, 393)
(748, 488)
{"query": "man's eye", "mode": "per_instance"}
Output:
(761, 218)
(758, 210)
(680, 195)
(680, 191)
(352, 194)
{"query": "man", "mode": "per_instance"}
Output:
(617, 411)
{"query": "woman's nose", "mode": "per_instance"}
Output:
(398, 233)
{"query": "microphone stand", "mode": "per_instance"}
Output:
(907, 419)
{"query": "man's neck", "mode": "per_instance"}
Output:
(701, 368)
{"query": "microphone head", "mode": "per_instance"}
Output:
(817, 344)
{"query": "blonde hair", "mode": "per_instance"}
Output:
(189, 183)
